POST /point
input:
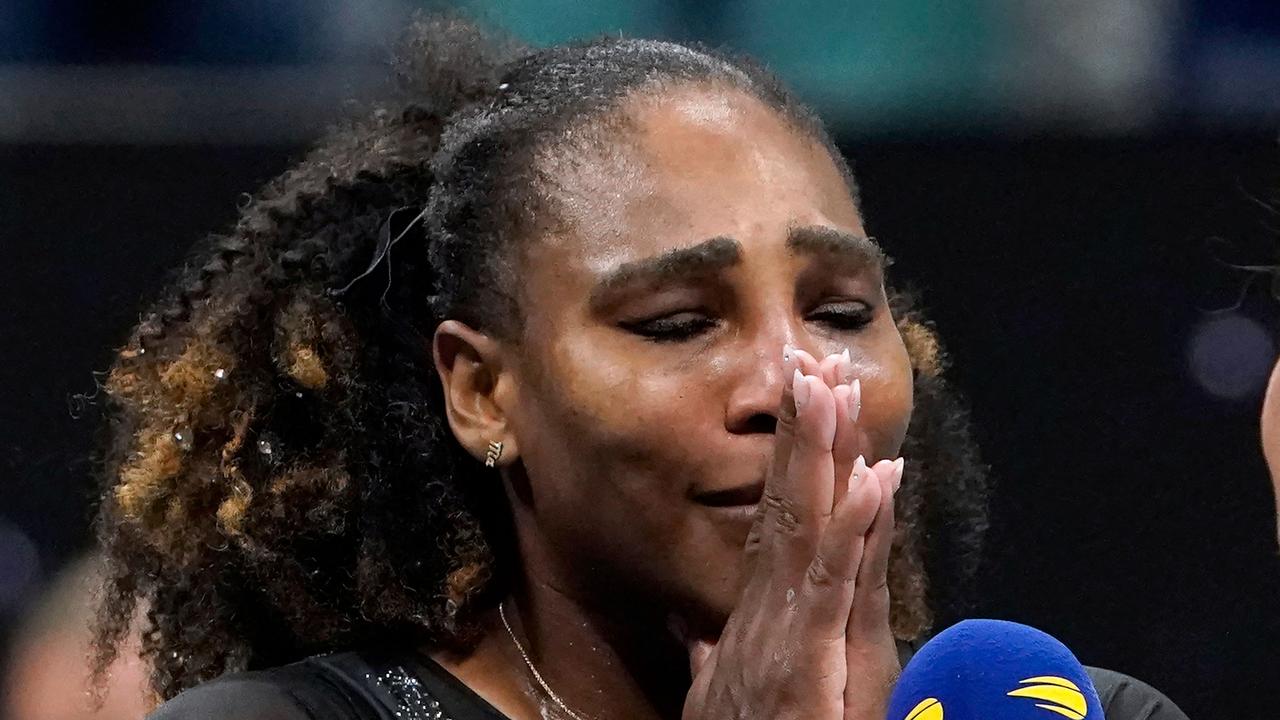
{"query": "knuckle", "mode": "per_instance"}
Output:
(821, 575)
(783, 511)
(874, 608)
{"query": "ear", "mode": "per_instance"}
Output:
(477, 389)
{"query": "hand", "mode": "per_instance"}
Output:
(810, 635)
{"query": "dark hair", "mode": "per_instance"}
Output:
(280, 479)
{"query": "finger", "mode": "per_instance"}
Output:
(830, 583)
(699, 653)
(848, 438)
(792, 358)
(871, 654)
(829, 370)
(885, 469)
(838, 372)
(870, 614)
(837, 369)
(797, 508)
(807, 363)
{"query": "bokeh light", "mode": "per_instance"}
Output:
(1230, 356)
(19, 566)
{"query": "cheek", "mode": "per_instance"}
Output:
(610, 450)
(887, 397)
(599, 422)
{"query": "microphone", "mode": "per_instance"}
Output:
(994, 670)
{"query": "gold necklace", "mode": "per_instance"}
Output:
(536, 675)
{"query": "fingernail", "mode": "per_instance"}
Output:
(799, 389)
(899, 466)
(846, 367)
(855, 400)
(859, 472)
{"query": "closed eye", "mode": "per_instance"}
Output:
(675, 327)
(846, 316)
(688, 324)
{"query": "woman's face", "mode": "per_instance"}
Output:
(651, 367)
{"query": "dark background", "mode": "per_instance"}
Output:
(1113, 361)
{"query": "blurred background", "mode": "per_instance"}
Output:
(1077, 187)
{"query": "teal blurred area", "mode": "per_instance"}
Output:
(548, 22)
(875, 65)
(862, 65)
(926, 65)
(904, 67)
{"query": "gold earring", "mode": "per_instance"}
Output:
(495, 452)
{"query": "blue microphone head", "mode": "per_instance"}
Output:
(994, 670)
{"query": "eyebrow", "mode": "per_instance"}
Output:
(701, 260)
(847, 251)
(851, 252)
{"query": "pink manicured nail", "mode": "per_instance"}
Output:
(846, 367)
(899, 466)
(859, 474)
(802, 359)
(855, 400)
(799, 389)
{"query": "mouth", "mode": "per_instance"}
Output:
(740, 496)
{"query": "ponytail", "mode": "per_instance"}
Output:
(259, 412)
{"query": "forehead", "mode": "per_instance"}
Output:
(690, 163)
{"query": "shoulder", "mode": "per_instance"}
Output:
(304, 690)
(1126, 698)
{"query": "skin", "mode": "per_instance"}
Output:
(45, 680)
(1271, 430)
(612, 440)
(46, 672)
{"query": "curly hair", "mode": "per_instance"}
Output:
(280, 479)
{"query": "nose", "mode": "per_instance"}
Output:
(757, 386)
(758, 371)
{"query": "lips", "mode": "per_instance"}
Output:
(733, 497)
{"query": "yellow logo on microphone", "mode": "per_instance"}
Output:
(1063, 695)
(928, 709)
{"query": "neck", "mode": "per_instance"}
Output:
(622, 663)
(619, 664)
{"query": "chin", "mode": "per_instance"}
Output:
(715, 600)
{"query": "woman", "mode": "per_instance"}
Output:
(620, 296)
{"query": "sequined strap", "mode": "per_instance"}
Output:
(389, 689)
(410, 698)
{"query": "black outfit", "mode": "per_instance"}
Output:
(412, 686)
